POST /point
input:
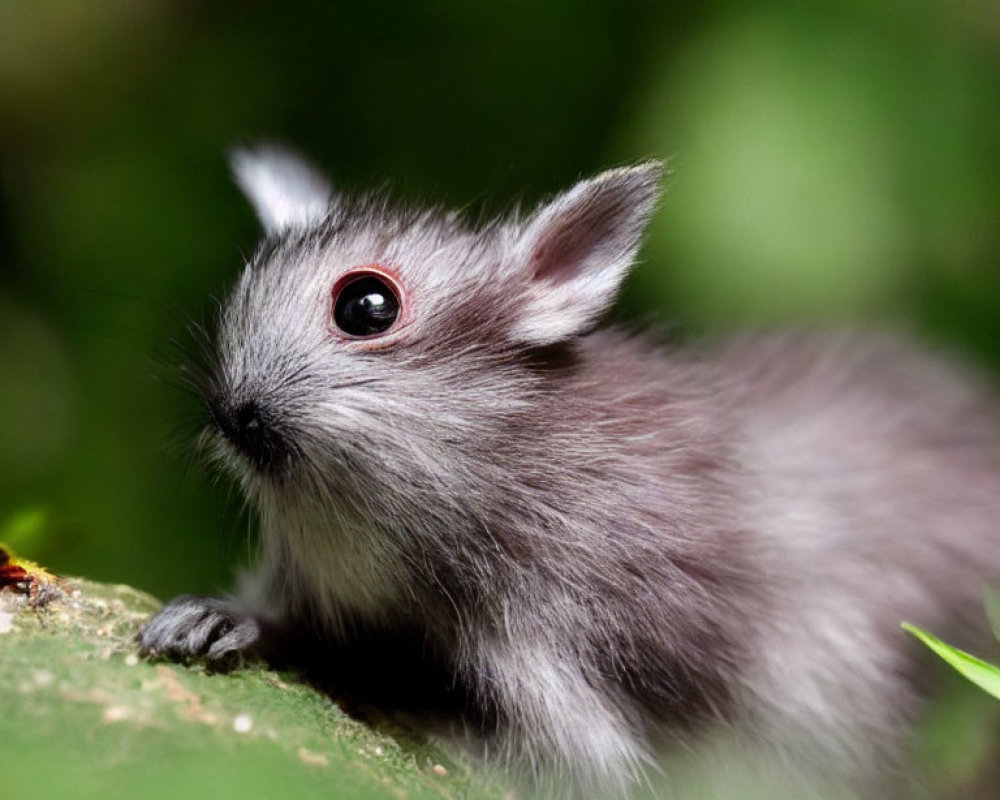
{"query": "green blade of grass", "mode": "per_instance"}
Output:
(986, 676)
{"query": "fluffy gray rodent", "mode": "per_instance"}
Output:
(607, 546)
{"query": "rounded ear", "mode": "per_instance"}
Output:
(284, 189)
(575, 251)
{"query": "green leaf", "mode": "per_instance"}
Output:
(984, 675)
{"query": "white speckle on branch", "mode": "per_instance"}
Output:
(243, 723)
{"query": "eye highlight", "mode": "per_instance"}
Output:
(366, 304)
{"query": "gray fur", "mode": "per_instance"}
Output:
(200, 626)
(615, 546)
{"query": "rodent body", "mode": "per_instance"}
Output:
(609, 544)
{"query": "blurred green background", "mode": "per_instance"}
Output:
(832, 161)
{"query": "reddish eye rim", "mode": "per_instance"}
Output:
(391, 278)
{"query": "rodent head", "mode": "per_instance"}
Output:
(367, 343)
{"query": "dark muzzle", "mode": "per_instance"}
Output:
(252, 428)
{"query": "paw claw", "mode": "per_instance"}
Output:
(238, 639)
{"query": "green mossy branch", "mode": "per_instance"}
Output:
(82, 716)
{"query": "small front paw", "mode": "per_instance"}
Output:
(190, 626)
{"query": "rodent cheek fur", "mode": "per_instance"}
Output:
(605, 545)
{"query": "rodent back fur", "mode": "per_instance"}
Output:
(611, 544)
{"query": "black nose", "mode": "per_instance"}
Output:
(252, 427)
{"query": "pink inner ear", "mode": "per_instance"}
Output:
(572, 238)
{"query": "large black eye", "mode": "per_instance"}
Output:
(365, 306)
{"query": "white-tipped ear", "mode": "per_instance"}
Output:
(284, 189)
(576, 250)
